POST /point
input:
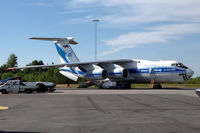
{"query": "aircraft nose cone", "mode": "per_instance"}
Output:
(189, 73)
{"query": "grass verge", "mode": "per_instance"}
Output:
(164, 85)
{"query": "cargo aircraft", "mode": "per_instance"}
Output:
(114, 73)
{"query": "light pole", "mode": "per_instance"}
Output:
(95, 26)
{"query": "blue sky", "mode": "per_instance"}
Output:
(138, 29)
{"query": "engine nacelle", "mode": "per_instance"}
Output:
(119, 73)
(96, 74)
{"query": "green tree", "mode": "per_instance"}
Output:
(3, 68)
(12, 61)
(193, 81)
(6, 75)
(35, 74)
(40, 62)
(34, 62)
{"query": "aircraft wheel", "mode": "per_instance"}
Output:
(100, 86)
(128, 86)
(157, 86)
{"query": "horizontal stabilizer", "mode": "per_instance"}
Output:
(70, 40)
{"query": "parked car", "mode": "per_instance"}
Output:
(17, 86)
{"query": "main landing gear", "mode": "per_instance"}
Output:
(155, 86)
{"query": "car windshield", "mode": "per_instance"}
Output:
(179, 65)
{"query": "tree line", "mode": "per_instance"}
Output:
(193, 81)
(35, 74)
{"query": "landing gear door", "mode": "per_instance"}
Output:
(152, 74)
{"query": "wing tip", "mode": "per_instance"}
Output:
(32, 38)
(11, 68)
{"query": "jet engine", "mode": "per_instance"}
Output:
(119, 73)
(96, 74)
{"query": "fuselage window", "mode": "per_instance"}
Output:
(179, 65)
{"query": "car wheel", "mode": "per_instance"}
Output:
(41, 88)
(4, 91)
(29, 91)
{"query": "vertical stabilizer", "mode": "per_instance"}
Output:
(63, 47)
(66, 53)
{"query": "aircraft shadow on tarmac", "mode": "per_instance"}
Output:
(163, 89)
(18, 132)
(128, 89)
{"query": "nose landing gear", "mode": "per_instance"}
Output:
(155, 86)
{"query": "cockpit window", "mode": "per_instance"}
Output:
(179, 65)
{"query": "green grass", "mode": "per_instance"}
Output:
(165, 85)
(65, 85)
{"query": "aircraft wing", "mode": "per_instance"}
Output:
(75, 64)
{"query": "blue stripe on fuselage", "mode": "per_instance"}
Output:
(157, 70)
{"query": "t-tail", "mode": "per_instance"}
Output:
(63, 47)
(66, 54)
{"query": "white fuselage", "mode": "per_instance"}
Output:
(160, 71)
(143, 71)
